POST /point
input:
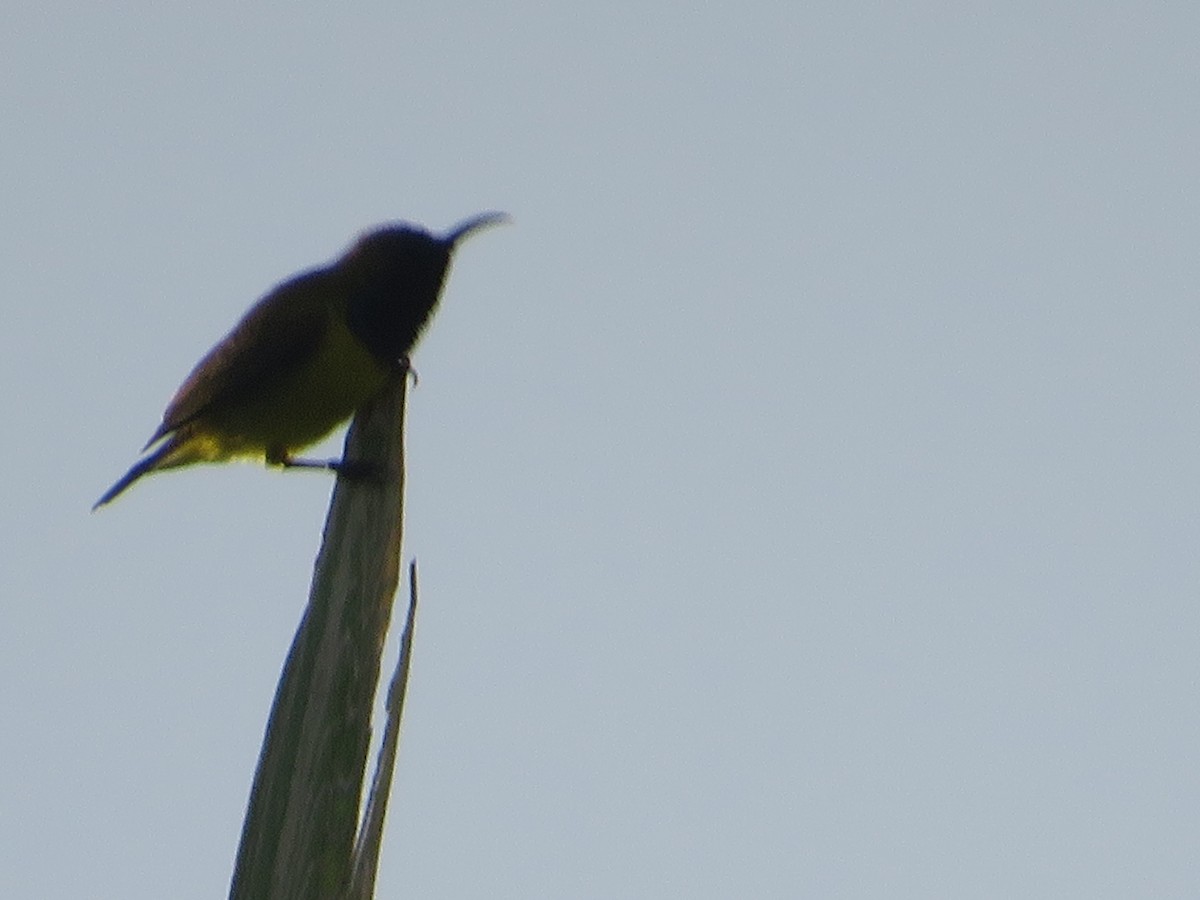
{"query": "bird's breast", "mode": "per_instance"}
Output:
(304, 405)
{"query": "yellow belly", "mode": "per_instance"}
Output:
(297, 410)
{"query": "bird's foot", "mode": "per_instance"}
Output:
(348, 468)
(404, 364)
(356, 469)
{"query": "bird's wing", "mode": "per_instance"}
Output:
(275, 337)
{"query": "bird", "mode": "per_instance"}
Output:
(307, 355)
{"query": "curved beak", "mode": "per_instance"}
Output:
(475, 223)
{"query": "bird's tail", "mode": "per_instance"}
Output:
(164, 457)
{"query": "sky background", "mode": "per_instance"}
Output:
(805, 487)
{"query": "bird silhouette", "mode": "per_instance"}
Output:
(307, 355)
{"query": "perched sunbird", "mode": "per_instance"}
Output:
(307, 355)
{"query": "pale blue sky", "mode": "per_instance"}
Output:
(805, 486)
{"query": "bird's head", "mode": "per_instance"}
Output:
(394, 275)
